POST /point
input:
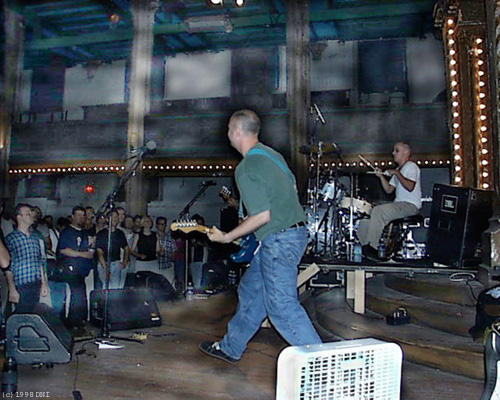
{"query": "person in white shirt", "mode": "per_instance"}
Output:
(405, 182)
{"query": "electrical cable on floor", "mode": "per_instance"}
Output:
(466, 277)
(76, 393)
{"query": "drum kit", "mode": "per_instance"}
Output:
(334, 207)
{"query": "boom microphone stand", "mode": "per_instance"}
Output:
(106, 209)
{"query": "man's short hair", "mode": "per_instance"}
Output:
(406, 144)
(161, 219)
(77, 208)
(19, 206)
(17, 210)
(249, 121)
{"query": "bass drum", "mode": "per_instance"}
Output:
(360, 206)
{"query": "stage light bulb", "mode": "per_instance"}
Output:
(457, 147)
(482, 117)
(480, 62)
(484, 151)
(479, 51)
(456, 136)
(457, 157)
(453, 62)
(481, 83)
(453, 72)
(450, 21)
(484, 140)
(484, 129)
(482, 95)
(486, 186)
(479, 40)
(455, 114)
(484, 162)
(480, 73)
(456, 125)
(454, 93)
(482, 106)
(454, 83)
(458, 179)
(455, 104)
(451, 42)
(485, 174)
(240, 3)
(450, 31)
(452, 52)
(457, 168)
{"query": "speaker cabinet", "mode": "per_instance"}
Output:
(458, 217)
(38, 338)
(126, 309)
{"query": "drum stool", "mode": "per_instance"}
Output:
(403, 245)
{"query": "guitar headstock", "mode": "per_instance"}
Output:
(189, 226)
(225, 193)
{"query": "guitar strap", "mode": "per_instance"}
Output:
(276, 160)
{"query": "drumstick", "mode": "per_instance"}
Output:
(371, 166)
(366, 161)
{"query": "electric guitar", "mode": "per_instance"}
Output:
(248, 244)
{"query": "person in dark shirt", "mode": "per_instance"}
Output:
(146, 247)
(111, 266)
(75, 251)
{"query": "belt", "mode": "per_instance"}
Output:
(296, 226)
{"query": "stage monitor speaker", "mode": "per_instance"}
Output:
(126, 309)
(38, 338)
(458, 217)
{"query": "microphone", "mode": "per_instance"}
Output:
(208, 183)
(149, 147)
(318, 111)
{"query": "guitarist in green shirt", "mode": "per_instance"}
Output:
(269, 286)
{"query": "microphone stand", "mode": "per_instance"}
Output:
(185, 213)
(106, 209)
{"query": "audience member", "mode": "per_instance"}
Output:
(27, 279)
(166, 251)
(146, 247)
(111, 265)
(75, 251)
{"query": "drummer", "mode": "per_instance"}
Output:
(405, 180)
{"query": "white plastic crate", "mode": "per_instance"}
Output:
(361, 369)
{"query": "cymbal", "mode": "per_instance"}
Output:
(325, 149)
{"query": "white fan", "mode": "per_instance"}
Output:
(361, 369)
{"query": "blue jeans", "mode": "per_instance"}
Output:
(115, 277)
(57, 296)
(269, 289)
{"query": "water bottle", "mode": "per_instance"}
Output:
(190, 292)
(9, 376)
(381, 248)
(358, 253)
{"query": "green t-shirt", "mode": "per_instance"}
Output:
(263, 185)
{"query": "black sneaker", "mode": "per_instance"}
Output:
(213, 349)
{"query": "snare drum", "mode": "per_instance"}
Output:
(360, 206)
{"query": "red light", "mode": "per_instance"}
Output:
(89, 189)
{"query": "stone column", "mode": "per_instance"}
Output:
(143, 12)
(9, 106)
(298, 85)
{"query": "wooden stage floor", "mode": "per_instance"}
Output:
(169, 366)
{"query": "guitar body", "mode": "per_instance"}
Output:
(248, 246)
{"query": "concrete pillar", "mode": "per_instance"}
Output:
(143, 12)
(298, 85)
(9, 106)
